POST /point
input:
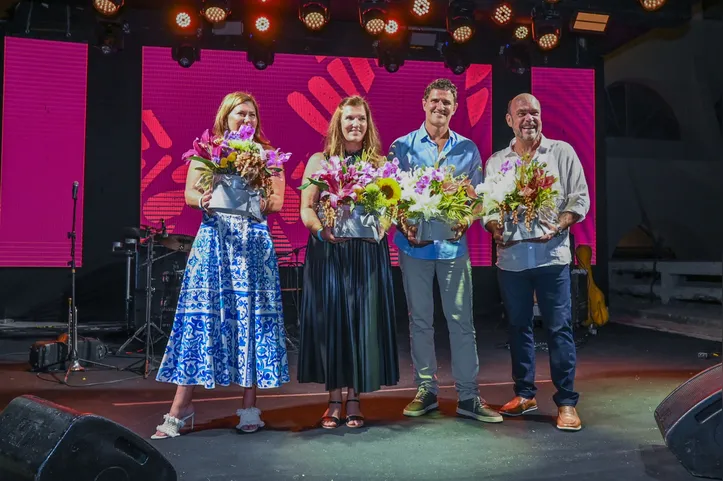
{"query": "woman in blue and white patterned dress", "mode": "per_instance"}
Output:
(229, 325)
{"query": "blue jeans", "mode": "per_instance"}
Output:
(552, 285)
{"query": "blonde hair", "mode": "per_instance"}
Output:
(371, 144)
(230, 102)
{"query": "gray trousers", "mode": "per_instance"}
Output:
(455, 285)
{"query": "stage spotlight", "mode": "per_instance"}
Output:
(522, 32)
(455, 57)
(107, 8)
(314, 13)
(184, 20)
(262, 24)
(392, 27)
(110, 37)
(652, 5)
(460, 20)
(552, 1)
(391, 59)
(546, 28)
(260, 54)
(186, 54)
(372, 16)
(502, 14)
(517, 58)
(215, 11)
(420, 8)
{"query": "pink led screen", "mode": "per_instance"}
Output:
(297, 95)
(567, 97)
(43, 151)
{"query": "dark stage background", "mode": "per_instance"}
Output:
(112, 189)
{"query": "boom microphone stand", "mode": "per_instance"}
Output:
(74, 362)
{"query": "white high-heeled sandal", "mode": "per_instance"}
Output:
(172, 426)
(249, 417)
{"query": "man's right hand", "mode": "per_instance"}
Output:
(494, 228)
(411, 234)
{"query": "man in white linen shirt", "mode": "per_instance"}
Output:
(540, 267)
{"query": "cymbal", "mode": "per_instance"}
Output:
(176, 242)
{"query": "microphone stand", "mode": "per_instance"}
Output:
(73, 360)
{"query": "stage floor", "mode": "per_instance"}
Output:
(623, 374)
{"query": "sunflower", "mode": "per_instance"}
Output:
(391, 192)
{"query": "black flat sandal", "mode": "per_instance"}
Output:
(354, 417)
(334, 419)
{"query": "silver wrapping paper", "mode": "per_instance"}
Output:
(434, 230)
(231, 195)
(355, 224)
(519, 232)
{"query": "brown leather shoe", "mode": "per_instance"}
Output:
(567, 419)
(519, 406)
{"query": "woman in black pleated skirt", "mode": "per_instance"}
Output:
(348, 337)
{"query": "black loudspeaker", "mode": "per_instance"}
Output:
(42, 441)
(690, 421)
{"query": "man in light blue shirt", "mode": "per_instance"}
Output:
(435, 145)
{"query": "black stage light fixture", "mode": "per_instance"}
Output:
(373, 16)
(107, 8)
(314, 13)
(546, 27)
(460, 20)
(186, 54)
(216, 11)
(456, 57)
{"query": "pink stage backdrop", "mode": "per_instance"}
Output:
(567, 97)
(297, 96)
(43, 151)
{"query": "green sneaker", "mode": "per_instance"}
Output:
(424, 402)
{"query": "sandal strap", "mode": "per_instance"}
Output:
(250, 417)
(171, 426)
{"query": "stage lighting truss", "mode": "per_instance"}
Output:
(215, 11)
(546, 27)
(420, 8)
(460, 20)
(373, 16)
(652, 5)
(456, 57)
(502, 14)
(107, 8)
(314, 13)
(186, 53)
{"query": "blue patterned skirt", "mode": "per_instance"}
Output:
(229, 325)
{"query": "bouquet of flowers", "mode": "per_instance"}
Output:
(238, 169)
(521, 190)
(357, 198)
(434, 200)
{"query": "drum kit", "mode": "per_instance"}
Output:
(152, 274)
(152, 324)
